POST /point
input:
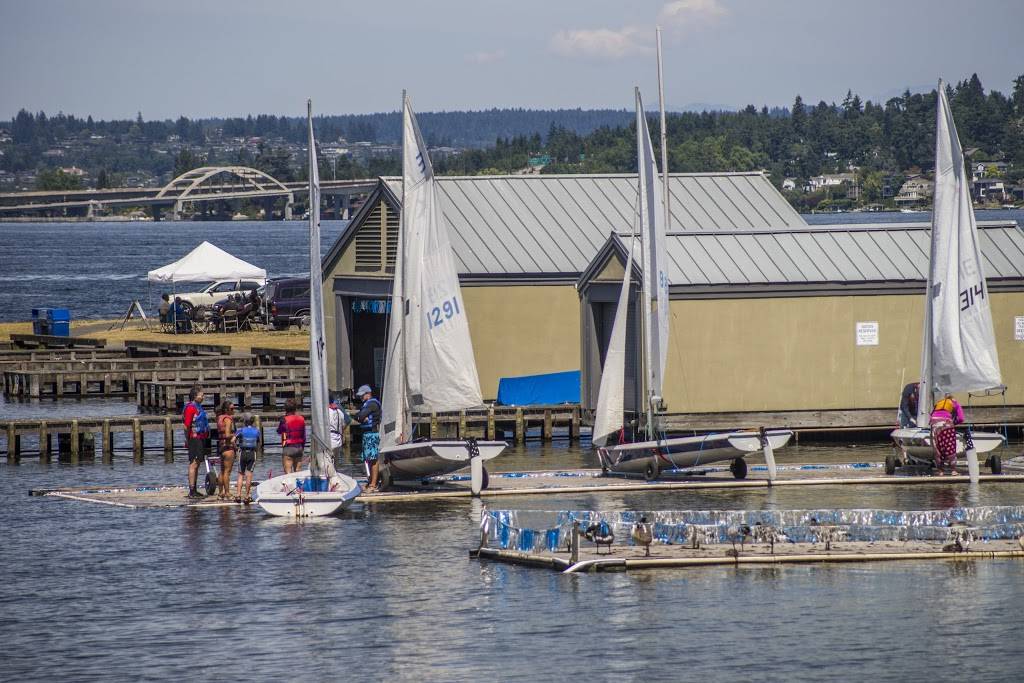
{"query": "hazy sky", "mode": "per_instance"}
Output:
(111, 58)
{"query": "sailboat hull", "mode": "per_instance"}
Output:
(281, 496)
(688, 451)
(419, 460)
(916, 443)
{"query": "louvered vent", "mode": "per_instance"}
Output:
(392, 240)
(368, 242)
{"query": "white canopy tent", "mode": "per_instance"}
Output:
(205, 263)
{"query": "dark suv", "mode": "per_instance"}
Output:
(289, 301)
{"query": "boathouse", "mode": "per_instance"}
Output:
(521, 244)
(822, 324)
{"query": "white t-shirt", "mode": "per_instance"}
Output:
(336, 421)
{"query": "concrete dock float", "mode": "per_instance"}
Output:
(565, 482)
(632, 558)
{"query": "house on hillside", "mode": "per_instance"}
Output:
(917, 190)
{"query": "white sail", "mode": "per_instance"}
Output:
(963, 348)
(440, 369)
(609, 416)
(654, 259)
(321, 457)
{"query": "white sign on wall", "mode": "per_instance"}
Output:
(1018, 328)
(867, 333)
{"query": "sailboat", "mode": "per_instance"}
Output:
(958, 344)
(321, 489)
(429, 364)
(649, 457)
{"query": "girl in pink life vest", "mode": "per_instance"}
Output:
(944, 418)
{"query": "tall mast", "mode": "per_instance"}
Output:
(664, 154)
(664, 136)
(646, 264)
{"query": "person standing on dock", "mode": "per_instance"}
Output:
(248, 440)
(908, 405)
(947, 414)
(197, 431)
(369, 419)
(226, 445)
(292, 429)
(337, 420)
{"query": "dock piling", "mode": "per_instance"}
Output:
(107, 443)
(137, 444)
(491, 434)
(168, 440)
(520, 426)
(75, 452)
(13, 445)
(44, 443)
(548, 430)
(574, 542)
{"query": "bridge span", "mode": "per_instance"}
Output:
(201, 186)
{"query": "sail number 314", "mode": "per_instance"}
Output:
(970, 295)
(446, 311)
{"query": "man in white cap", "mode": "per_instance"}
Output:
(368, 418)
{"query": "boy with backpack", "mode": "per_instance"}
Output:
(197, 432)
(248, 440)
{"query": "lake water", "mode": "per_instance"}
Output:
(91, 592)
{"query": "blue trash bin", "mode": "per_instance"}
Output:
(60, 321)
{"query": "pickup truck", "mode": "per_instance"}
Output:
(217, 291)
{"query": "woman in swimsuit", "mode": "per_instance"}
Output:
(226, 445)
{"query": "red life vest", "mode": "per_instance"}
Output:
(292, 429)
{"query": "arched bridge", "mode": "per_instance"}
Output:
(205, 184)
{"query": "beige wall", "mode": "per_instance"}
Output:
(800, 354)
(522, 330)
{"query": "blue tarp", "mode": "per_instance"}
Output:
(556, 387)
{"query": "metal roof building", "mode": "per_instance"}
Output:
(763, 306)
(835, 259)
(552, 225)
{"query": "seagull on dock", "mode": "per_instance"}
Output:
(643, 534)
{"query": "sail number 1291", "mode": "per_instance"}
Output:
(446, 311)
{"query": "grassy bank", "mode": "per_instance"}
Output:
(241, 342)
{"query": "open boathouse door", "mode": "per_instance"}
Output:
(361, 316)
(599, 289)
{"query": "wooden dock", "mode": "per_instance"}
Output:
(46, 341)
(139, 348)
(79, 439)
(265, 389)
(268, 356)
(583, 557)
(110, 377)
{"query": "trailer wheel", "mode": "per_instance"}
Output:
(211, 483)
(652, 470)
(996, 463)
(738, 467)
(890, 464)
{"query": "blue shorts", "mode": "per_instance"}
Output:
(371, 444)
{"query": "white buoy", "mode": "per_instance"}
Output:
(769, 455)
(476, 475)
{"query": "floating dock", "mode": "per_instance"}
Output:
(566, 482)
(632, 558)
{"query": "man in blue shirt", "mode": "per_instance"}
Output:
(368, 418)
